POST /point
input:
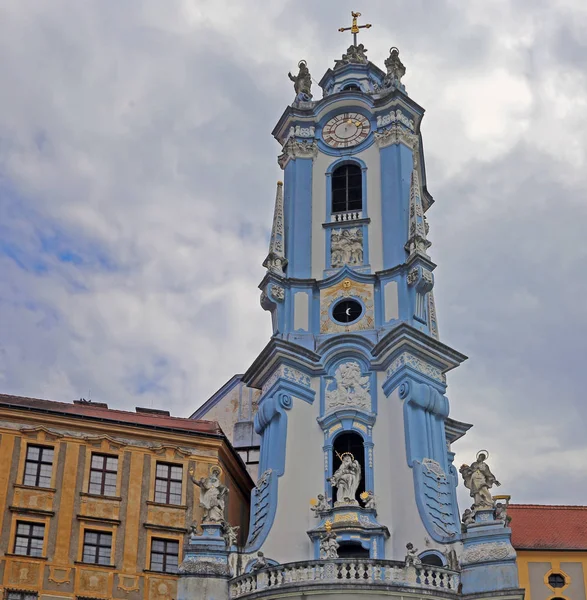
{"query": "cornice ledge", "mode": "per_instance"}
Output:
(344, 273)
(405, 337)
(276, 351)
(344, 342)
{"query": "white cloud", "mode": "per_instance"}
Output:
(135, 142)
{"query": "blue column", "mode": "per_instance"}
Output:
(298, 217)
(396, 171)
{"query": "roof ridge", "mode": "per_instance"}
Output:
(91, 405)
(551, 506)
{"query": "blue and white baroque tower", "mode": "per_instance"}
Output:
(353, 411)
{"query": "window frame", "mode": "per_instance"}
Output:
(169, 480)
(20, 595)
(85, 544)
(164, 554)
(346, 188)
(556, 586)
(29, 537)
(104, 471)
(39, 464)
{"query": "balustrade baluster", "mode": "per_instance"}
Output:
(378, 572)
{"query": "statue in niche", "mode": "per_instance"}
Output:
(302, 82)
(352, 389)
(321, 505)
(213, 495)
(346, 479)
(328, 543)
(346, 247)
(395, 70)
(478, 479)
(412, 558)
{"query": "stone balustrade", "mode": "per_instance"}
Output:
(343, 217)
(344, 571)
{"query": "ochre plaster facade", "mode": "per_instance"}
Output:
(535, 567)
(131, 516)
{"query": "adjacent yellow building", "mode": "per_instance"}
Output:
(96, 503)
(551, 544)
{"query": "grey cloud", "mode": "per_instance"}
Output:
(142, 132)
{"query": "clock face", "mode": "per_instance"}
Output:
(347, 311)
(346, 130)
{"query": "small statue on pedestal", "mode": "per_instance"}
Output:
(368, 499)
(260, 563)
(501, 513)
(302, 82)
(213, 494)
(478, 479)
(230, 534)
(320, 505)
(328, 543)
(412, 558)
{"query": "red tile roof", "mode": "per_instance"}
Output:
(95, 412)
(548, 527)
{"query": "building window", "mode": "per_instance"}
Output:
(168, 479)
(347, 188)
(250, 456)
(97, 547)
(103, 471)
(29, 539)
(21, 596)
(556, 580)
(38, 466)
(164, 555)
(351, 87)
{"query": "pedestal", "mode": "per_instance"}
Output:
(205, 571)
(488, 562)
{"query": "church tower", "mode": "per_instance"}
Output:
(355, 455)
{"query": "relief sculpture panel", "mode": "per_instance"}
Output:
(93, 583)
(165, 516)
(162, 589)
(33, 499)
(23, 573)
(100, 508)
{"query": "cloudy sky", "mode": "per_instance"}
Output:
(137, 176)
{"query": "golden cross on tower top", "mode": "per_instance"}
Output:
(354, 28)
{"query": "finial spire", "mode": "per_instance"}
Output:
(276, 261)
(417, 243)
(354, 28)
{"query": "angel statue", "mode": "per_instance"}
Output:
(328, 543)
(230, 534)
(302, 82)
(320, 505)
(346, 479)
(213, 494)
(478, 478)
(412, 558)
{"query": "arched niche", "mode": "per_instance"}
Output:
(353, 442)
